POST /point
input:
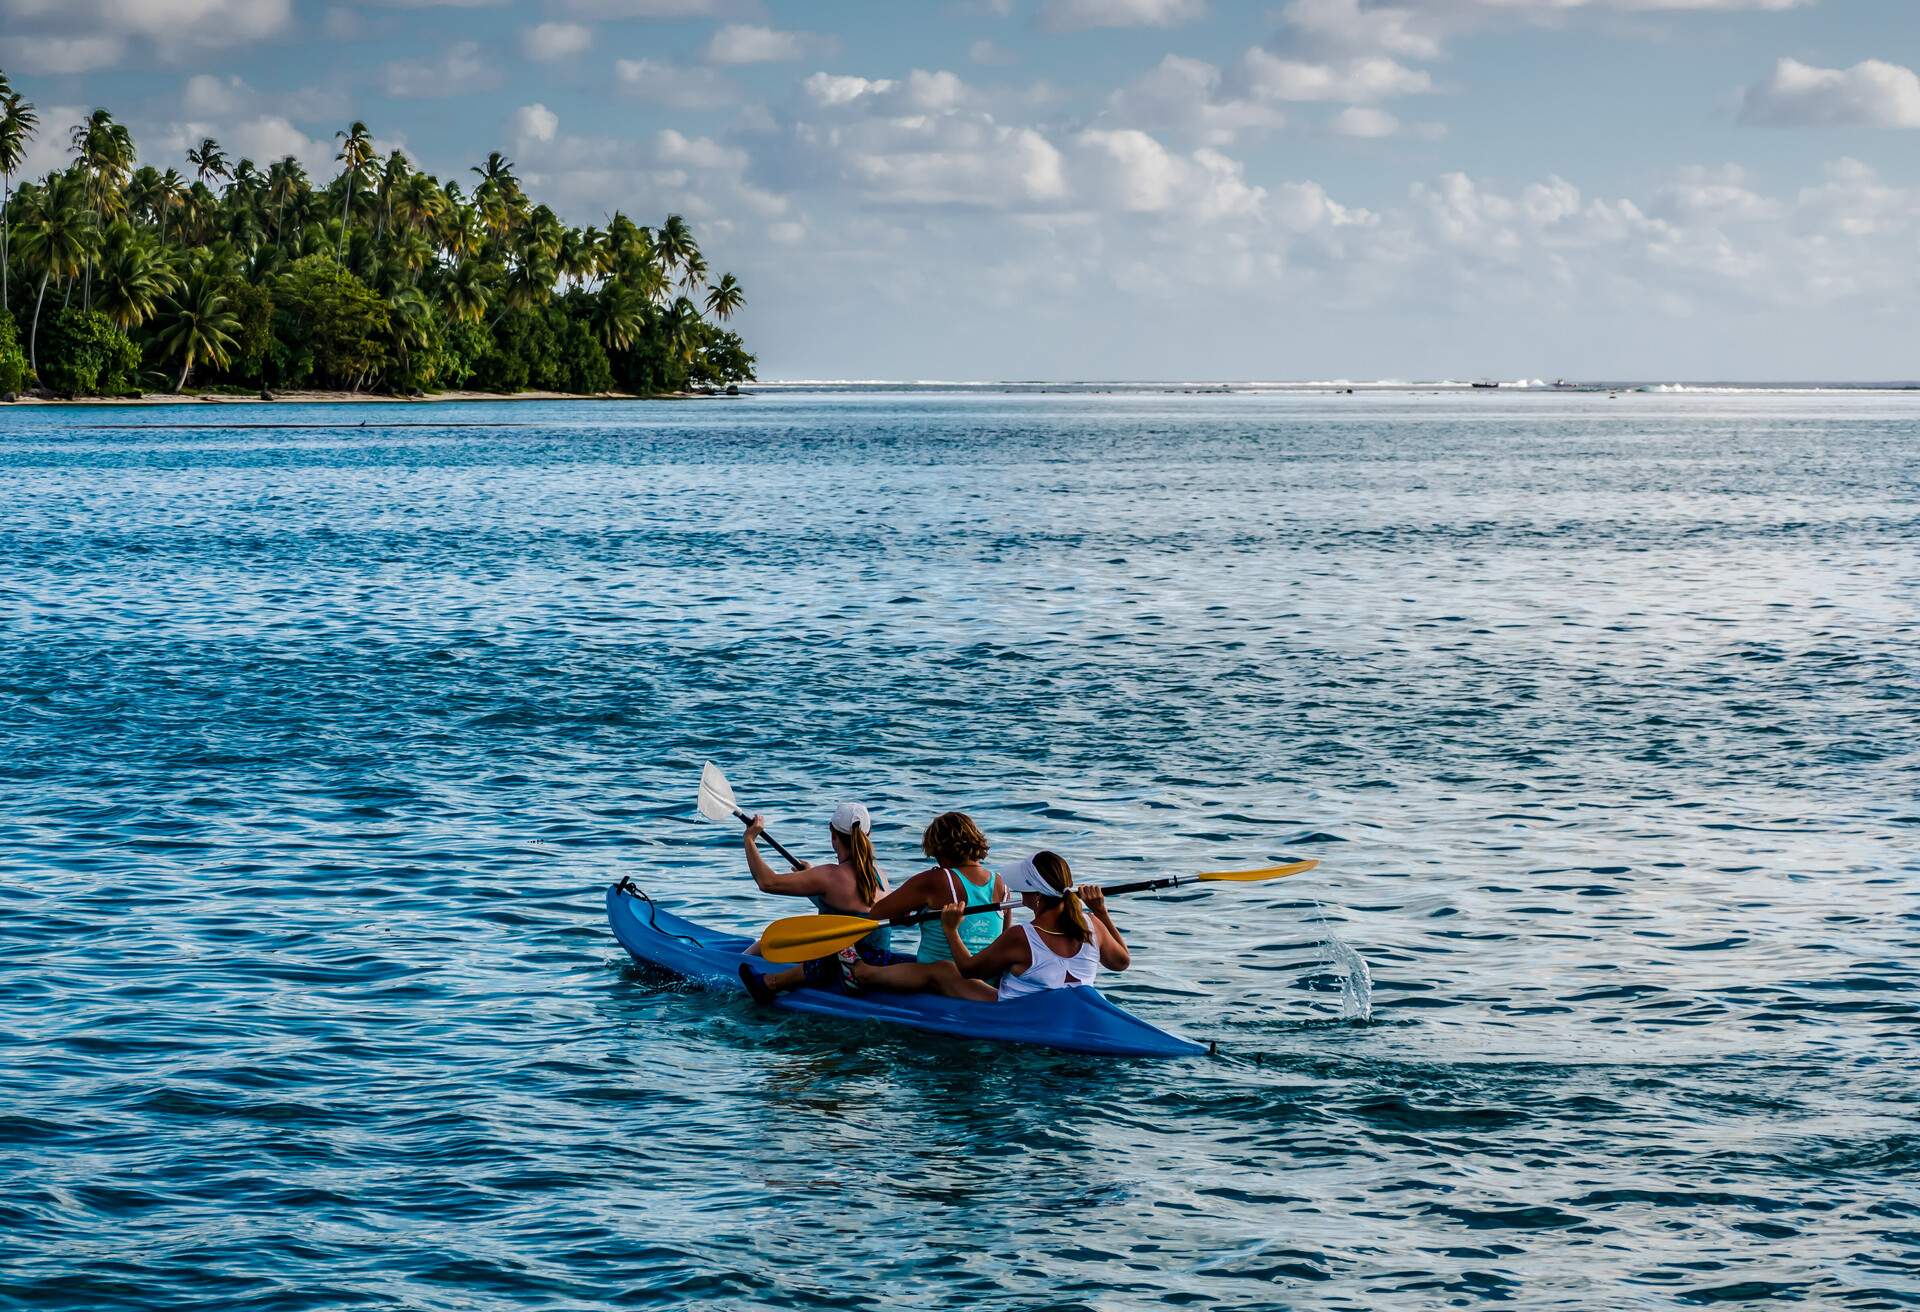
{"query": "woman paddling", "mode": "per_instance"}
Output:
(1070, 939)
(958, 878)
(845, 887)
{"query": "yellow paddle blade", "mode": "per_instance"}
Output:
(808, 938)
(1266, 872)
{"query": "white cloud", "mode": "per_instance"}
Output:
(920, 92)
(1078, 15)
(248, 132)
(660, 83)
(744, 43)
(655, 8)
(548, 42)
(1419, 29)
(1872, 93)
(1190, 97)
(208, 96)
(909, 142)
(698, 152)
(832, 89)
(74, 36)
(1365, 121)
(1343, 27)
(1359, 80)
(47, 150)
(535, 123)
(460, 68)
(64, 54)
(1135, 173)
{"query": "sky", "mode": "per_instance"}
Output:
(1131, 189)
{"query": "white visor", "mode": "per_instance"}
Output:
(849, 816)
(1024, 877)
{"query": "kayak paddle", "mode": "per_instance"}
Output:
(716, 803)
(807, 938)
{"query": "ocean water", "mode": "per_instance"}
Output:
(323, 729)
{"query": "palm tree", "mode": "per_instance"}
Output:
(201, 327)
(17, 124)
(464, 235)
(620, 314)
(725, 298)
(198, 208)
(134, 276)
(497, 170)
(356, 155)
(594, 259)
(170, 195)
(57, 237)
(650, 280)
(410, 322)
(208, 160)
(103, 149)
(693, 270)
(286, 182)
(683, 330)
(409, 251)
(466, 292)
(529, 283)
(674, 243)
(392, 178)
(419, 202)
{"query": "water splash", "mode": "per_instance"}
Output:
(1356, 980)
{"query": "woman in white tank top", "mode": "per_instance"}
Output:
(1070, 939)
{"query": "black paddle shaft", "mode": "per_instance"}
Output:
(772, 842)
(1138, 886)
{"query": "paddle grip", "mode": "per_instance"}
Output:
(772, 842)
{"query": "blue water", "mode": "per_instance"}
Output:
(319, 743)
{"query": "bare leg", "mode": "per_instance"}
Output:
(941, 977)
(786, 979)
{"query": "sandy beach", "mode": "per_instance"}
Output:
(351, 398)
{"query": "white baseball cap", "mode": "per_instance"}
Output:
(849, 816)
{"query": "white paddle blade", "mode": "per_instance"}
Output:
(716, 794)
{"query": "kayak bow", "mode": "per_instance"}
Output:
(1073, 1019)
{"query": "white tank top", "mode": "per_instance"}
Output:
(1050, 970)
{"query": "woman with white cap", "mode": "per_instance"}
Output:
(847, 886)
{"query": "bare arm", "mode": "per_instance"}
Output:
(1113, 948)
(804, 882)
(1008, 952)
(912, 895)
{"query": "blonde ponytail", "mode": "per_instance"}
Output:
(1053, 868)
(1076, 917)
(866, 871)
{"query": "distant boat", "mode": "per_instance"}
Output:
(1487, 386)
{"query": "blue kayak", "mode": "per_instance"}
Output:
(1076, 1019)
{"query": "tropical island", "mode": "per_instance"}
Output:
(118, 278)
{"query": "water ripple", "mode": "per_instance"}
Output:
(321, 745)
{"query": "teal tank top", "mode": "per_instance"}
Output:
(976, 931)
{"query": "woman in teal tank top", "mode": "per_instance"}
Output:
(976, 932)
(958, 849)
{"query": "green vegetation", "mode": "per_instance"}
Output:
(117, 277)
